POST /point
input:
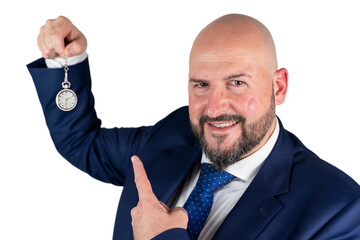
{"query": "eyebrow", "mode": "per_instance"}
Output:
(195, 80)
(198, 80)
(237, 75)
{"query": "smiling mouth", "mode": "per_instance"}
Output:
(223, 125)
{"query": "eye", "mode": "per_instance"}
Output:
(237, 82)
(201, 85)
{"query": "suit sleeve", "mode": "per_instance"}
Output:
(344, 225)
(173, 234)
(102, 153)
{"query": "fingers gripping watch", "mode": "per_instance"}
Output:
(66, 99)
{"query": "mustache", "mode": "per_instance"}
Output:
(224, 117)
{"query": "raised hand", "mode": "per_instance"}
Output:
(59, 37)
(152, 217)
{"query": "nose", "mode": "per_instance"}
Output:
(218, 103)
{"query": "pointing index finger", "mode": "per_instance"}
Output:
(142, 182)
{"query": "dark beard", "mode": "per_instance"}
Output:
(252, 135)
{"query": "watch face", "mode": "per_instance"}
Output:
(66, 100)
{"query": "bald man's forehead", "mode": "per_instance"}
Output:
(222, 61)
(222, 57)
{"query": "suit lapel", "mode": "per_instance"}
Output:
(251, 214)
(259, 205)
(167, 177)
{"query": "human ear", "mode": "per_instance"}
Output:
(280, 81)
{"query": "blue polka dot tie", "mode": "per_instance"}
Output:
(199, 203)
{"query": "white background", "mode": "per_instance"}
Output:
(138, 55)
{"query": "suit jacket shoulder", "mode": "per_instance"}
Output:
(312, 193)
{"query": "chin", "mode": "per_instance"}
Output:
(223, 146)
(223, 142)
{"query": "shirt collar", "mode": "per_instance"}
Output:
(248, 167)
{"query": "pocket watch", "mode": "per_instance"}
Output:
(66, 99)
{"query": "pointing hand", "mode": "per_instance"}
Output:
(152, 217)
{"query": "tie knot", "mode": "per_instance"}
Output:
(211, 179)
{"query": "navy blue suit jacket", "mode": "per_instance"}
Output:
(295, 195)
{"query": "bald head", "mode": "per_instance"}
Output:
(235, 34)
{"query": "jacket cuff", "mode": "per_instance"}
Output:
(173, 234)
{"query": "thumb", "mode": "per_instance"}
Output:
(181, 216)
(76, 47)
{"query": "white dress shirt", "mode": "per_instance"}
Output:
(226, 197)
(60, 61)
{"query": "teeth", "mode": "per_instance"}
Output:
(222, 125)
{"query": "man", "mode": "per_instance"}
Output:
(277, 188)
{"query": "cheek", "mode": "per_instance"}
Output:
(250, 105)
(245, 105)
(196, 108)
